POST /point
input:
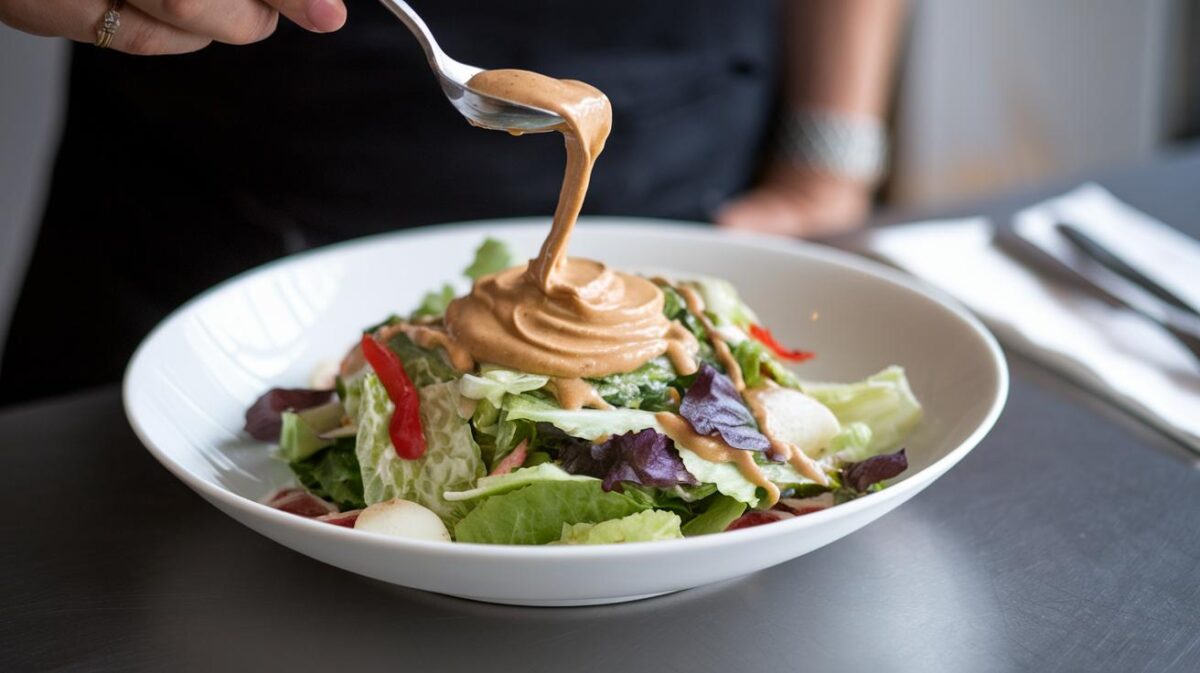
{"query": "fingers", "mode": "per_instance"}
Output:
(138, 33)
(228, 21)
(320, 16)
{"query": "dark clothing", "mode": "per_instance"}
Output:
(177, 172)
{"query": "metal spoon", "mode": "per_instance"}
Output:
(480, 109)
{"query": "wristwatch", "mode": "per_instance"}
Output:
(838, 144)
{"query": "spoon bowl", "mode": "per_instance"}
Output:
(480, 109)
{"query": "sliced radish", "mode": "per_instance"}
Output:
(513, 460)
(801, 506)
(758, 518)
(401, 518)
(300, 502)
(345, 519)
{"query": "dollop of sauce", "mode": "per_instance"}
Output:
(561, 316)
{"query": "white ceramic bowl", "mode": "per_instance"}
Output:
(191, 380)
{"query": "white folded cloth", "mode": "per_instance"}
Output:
(1111, 350)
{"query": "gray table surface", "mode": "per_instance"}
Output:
(1068, 540)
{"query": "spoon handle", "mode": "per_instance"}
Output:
(409, 17)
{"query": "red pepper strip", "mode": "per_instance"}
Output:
(764, 335)
(405, 428)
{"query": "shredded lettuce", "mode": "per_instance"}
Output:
(536, 513)
(721, 511)
(644, 526)
(491, 257)
(503, 483)
(585, 423)
(883, 402)
(451, 461)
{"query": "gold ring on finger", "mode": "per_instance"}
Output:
(109, 23)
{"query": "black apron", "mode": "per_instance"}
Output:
(175, 173)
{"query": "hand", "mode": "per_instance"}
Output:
(792, 201)
(171, 26)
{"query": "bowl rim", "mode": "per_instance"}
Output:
(900, 490)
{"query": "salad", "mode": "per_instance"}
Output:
(409, 440)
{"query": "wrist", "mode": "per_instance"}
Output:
(845, 147)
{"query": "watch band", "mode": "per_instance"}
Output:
(849, 146)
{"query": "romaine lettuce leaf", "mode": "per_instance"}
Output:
(722, 510)
(640, 527)
(490, 257)
(883, 402)
(503, 483)
(588, 424)
(451, 461)
(536, 513)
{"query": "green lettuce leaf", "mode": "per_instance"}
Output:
(503, 483)
(333, 474)
(491, 257)
(722, 302)
(492, 384)
(640, 527)
(722, 510)
(536, 513)
(451, 461)
(852, 443)
(433, 304)
(883, 402)
(588, 424)
(643, 388)
(756, 362)
(729, 480)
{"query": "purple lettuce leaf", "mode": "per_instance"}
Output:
(861, 476)
(713, 406)
(264, 417)
(647, 458)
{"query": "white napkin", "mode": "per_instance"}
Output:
(1111, 350)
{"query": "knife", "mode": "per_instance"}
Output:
(1106, 285)
(1096, 250)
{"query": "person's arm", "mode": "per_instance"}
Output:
(170, 26)
(839, 61)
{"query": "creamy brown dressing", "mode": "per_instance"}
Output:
(715, 450)
(575, 394)
(725, 356)
(561, 316)
(790, 452)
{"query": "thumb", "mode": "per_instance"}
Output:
(319, 16)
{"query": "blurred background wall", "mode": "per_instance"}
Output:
(993, 95)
